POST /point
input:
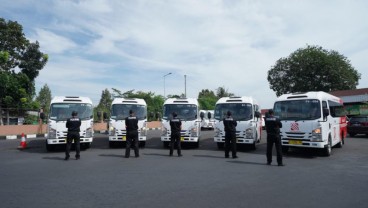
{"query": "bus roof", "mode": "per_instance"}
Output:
(181, 101)
(309, 95)
(71, 99)
(242, 99)
(129, 101)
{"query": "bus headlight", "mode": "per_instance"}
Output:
(164, 131)
(194, 132)
(249, 133)
(112, 131)
(89, 132)
(317, 135)
(217, 132)
(52, 133)
(143, 131)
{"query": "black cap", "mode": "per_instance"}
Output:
(174, 114)
(270, 111)
(74, 113)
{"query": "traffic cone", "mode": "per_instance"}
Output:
(23, 142)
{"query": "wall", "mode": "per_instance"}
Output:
(36, 129)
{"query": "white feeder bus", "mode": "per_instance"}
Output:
(61, 108)
(246, 111)
(119, 111)
(187, 111)
(311, 120)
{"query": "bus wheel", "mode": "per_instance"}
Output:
(196, 145)
(328, 148)
(86, 146)
(111, 144)
(220, 145)
(284, 149)
(339, 145)
(166, 144)
(49, 147)
(253, 146)
(142, 144)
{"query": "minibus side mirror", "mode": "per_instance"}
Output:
(326, 113)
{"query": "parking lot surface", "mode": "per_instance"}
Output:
(201, 178)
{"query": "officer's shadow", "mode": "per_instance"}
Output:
(209, 156)
(53, 158)
(246, 163)
(157, 154)
(110, 155)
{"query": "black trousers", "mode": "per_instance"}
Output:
(132, 141)
(175, 140)
(70, 137)
(274, 139)
(230, 143)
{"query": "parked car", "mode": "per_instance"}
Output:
(358, 125)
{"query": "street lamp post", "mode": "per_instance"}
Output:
(164, 84)
(185, 86)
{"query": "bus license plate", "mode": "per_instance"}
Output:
(124, 138)
(181, 138)
(295, 142)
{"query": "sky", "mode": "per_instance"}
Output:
(95, 45)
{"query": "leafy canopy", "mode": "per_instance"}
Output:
(312, 69)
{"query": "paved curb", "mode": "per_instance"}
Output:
(28, 136)
(154, 128)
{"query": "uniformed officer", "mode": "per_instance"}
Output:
(131, 124)
(273, 126)
(230, 135)
(175, 125)
(73, 125)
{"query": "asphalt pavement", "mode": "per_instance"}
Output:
(201, 178)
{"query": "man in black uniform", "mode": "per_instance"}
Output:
(73, 124)
(175, 125)
(230, 135)
(273, 126)
(131, 124)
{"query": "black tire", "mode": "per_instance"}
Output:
(352, 134)
(220, 145)
(340, 144)
(284, 149)
(142, 144)
(253, 146)
(328, 148)
(111, 144)
(50, 147)
(196, 145)
(85, 145)
(166, 144)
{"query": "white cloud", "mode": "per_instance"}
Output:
(132, 44)
(53, 43)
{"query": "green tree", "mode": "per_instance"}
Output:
(104, 104)
(16, 52)
(154, 102)
(44, 98)
(222, 92)
(207, 99)
(312, 69)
